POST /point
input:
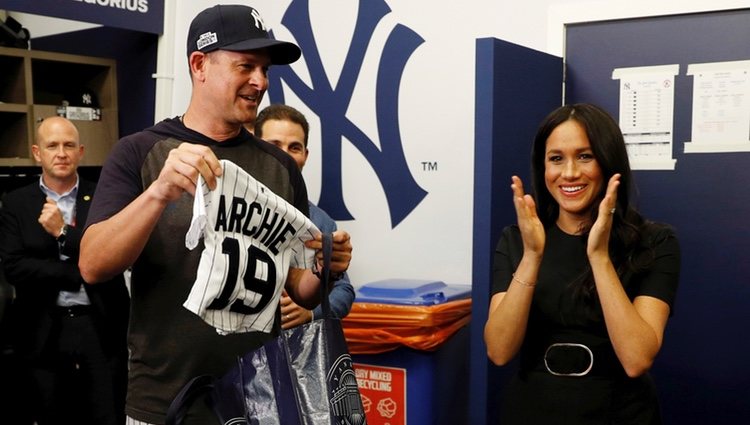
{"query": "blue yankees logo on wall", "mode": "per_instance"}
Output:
(330, 104)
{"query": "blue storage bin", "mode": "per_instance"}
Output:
(437, 382)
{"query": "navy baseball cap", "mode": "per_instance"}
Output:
(237, 28)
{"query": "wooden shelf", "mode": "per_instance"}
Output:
(36, 83)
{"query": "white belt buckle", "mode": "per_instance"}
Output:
(569, 344)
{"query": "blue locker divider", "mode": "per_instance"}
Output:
(516, 88)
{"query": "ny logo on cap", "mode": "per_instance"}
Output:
(258, 20)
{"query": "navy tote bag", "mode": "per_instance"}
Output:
(303, 377)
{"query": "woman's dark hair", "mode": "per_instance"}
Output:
(608, 146)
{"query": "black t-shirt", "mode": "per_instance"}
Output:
(556, 316)
(168, 344)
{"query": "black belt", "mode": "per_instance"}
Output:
(74, 310)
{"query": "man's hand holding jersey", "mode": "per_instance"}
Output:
(181, 170)
(180, 174)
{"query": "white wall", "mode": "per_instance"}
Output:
(436, 115)
(436, 122)
(436, 108)
(537, 24)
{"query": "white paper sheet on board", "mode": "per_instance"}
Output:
(647, 115)
(721, 107)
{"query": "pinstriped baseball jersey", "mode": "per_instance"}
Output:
(251, 237)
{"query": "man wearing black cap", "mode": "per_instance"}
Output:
(144, 204)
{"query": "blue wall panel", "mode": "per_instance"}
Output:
(702, 372)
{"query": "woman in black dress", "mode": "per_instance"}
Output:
(583, 284)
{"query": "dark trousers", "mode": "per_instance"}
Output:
(15, 389)
(79, 384)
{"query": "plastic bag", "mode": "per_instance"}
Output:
(372, 328)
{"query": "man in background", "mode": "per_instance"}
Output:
(288, 129)
(69, 336)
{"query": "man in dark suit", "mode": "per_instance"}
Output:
(70, 336)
